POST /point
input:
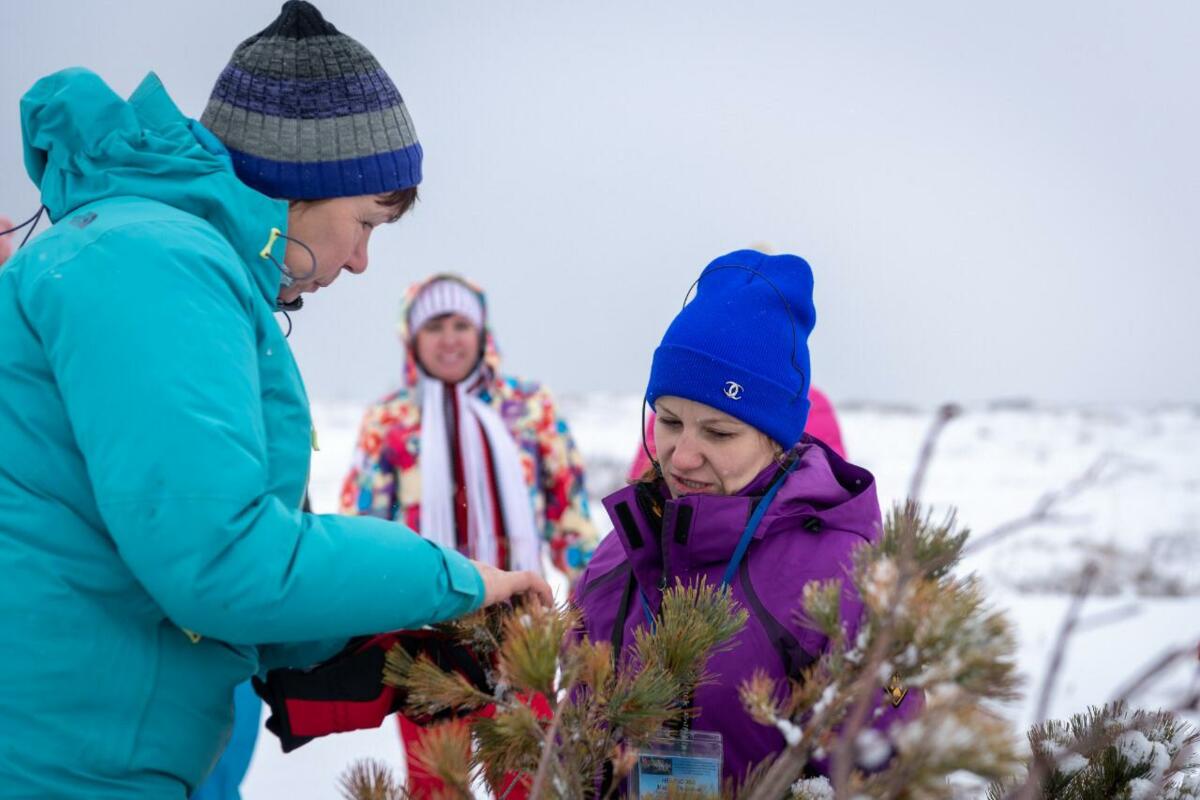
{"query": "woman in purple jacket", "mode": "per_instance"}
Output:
(742, 496)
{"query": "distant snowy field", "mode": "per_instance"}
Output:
(1137, 518)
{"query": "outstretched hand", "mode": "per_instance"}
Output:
(500, 585)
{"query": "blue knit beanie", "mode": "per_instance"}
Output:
(307, 113)
(741, 344)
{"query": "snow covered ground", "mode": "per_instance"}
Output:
(1136, 516)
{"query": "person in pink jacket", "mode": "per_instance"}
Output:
(822, 424)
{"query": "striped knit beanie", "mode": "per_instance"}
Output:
(307, 113)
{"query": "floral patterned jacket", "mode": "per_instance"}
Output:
(385, 479)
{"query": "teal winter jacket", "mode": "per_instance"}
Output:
(154, 447)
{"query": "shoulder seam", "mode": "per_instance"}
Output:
(74, 257)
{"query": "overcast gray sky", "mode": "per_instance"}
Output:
(998, 200)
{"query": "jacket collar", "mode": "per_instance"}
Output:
(697, 532)
(247, 218)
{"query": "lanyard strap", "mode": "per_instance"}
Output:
(743, 544)
(645, 610)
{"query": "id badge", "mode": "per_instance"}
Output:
(687, 760)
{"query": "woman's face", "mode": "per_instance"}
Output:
(448, 347)
(337, 232)
(706, 451)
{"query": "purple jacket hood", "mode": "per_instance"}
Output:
(824, 510)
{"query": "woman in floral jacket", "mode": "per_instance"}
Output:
(480, 460)
(400, 470)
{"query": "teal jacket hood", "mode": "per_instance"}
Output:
(84, 143)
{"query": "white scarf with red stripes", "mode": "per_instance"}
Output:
(476, 419)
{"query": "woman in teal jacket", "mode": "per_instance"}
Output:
(154, 431)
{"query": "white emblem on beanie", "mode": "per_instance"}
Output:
(445, 296)
(733, 390)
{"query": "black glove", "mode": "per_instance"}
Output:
(347, 693)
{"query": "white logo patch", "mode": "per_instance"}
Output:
(733, 390)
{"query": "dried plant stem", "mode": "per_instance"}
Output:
(787, 767)
(1043, 508)
(865, 687)
(1040, 768)
(945, 413)
(1155, 668)
(1105, 618)
(543, 770)
(1065, 632)
(784, 771)
(1191, 701)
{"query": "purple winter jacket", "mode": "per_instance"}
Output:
(825, 508)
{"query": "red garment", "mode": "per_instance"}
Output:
(822, 424)
(499, 532)
(422, 785)
(461, 526)
(461, 516)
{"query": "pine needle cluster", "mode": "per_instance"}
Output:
(368, 779)
(431, 690)
(444, 751)
(922, 628)
(695, 622)
(1109, 752)
(599, 715)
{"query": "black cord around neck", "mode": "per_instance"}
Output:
(32, 222)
